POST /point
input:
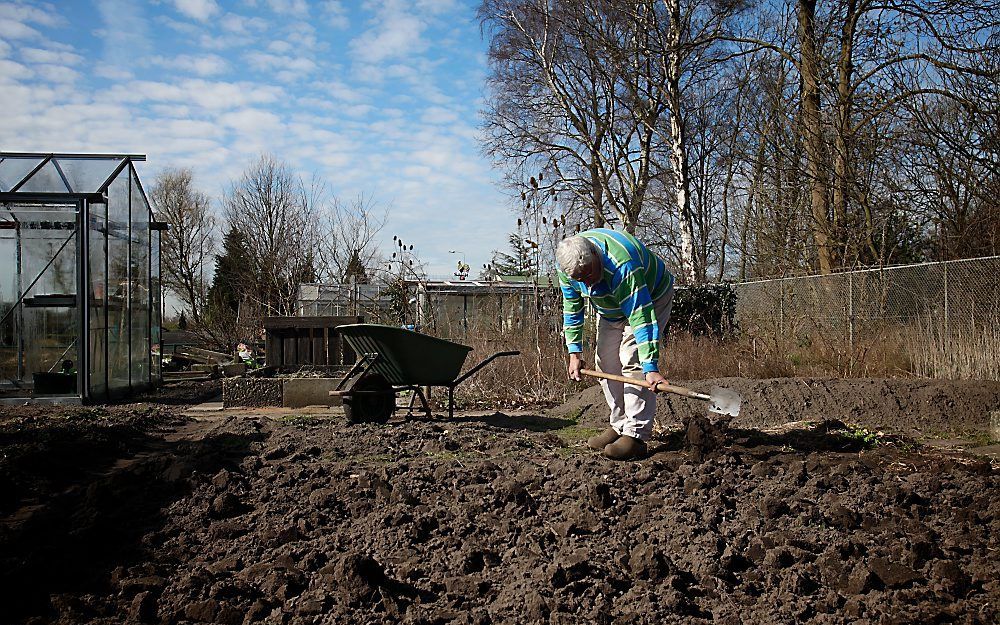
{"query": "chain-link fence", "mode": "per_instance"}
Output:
(942, 318)
(451, 309)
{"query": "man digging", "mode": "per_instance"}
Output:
(631, 290)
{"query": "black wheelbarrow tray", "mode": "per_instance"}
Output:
(391, 360)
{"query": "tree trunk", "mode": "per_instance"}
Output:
(812, 131)
(678, 146)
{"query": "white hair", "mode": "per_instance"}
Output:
(575, 255)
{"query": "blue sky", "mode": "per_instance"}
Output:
(380, 97)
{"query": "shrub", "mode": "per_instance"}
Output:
(702, 310)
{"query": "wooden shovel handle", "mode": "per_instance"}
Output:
(663, 387)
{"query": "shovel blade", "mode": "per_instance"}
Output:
(725, 401)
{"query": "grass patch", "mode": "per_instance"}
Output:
(870, 439)
(298, 419)
(574, 434)
(981, 439)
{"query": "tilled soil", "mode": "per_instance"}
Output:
(907, 406)
(484, 519)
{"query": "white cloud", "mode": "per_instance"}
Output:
(241, 25)
(395, 33)
(200, 10)
(57, 73)
(357, 110)
(125, 33)
(437, 6)
(9, 29)
(341, 91)
(286, 67)
(202, 65)
(39, 55)
(438, 115)
(295, 8)
(112, 72)
(335, 14)
(14, 20)
(12, 71)
(208, 95)
(19, 12)
(4, 48)
(279, 47)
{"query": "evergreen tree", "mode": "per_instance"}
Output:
(520, 262)
(232, 273)
(182, 323)
(356, 269)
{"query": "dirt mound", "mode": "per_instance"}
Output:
(183, 392)
(501, 519)
(911, 407)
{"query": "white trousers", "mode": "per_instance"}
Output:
(632, 407)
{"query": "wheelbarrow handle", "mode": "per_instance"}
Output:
(473, 370)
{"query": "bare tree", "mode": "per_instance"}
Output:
(271, 207)
(556, 106)
(189, 240)
(349, 247)
(860, 65)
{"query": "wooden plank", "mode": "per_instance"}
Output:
(278, 323)
(272, 349)
(305, 346)
(318, 346)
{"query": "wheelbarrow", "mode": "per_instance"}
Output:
(391, 360)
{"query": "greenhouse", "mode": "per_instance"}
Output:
(80, 293)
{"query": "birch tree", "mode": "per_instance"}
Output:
(189, 241)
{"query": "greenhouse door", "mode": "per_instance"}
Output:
(40, 330)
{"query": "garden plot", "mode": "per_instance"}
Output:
(135, 514)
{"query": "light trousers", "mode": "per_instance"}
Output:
(633, 407)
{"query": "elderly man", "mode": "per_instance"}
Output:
(631, 290)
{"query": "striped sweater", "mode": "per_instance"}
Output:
(633, 278)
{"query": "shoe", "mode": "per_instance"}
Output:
(626, 448)
(602, 440)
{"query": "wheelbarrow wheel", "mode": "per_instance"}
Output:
(371, 400)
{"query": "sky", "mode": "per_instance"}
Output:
(376, 97)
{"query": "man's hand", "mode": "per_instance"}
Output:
(575, 364)
(653, 378)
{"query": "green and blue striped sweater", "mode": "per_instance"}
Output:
(633, 278)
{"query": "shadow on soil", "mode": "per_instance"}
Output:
(531, 423)
(83, 506)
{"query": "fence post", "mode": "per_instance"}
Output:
(947, 320)
(850, 317)
(781, 307)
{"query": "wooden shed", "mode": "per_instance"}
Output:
(297, 341)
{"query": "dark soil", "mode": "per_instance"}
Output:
(484, 519)
(905, 406)
(184, 392)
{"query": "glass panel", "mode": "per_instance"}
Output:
(39, 215)
(98, 300)
(157, 311)
(45, 180)
(118, 286)
(139, 286)
(14, 169)
(38, 337)
(86, 175)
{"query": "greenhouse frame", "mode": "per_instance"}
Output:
(80, 298)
